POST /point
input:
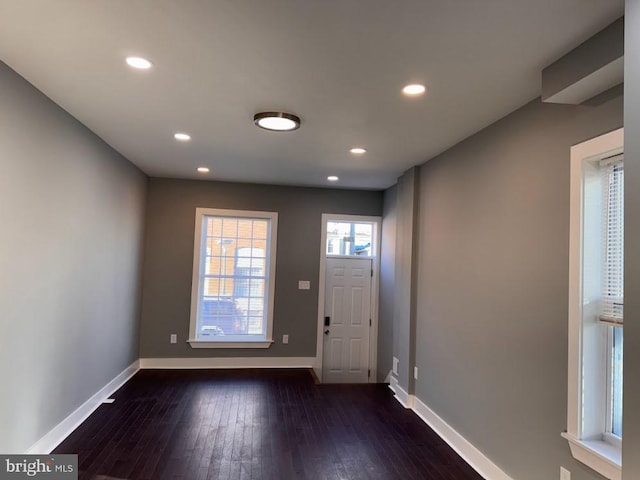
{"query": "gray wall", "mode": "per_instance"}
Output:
(631, 427)
(387, 281)
(169, 259)
(72, 220)
(404, 305)
(491, 340)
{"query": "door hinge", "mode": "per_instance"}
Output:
(369, 322)
(369, 373)
(372, 272)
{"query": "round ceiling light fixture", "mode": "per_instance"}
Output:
(333, 178)
(414, 90)
(139, 63)
(358, 151)
(277, 121)
(203, 170)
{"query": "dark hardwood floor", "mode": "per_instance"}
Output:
(257, 424)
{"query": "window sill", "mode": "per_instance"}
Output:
(205, 344)
(604, 458)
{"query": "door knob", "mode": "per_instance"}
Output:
(326, 332)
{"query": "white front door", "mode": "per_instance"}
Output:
(348, 305)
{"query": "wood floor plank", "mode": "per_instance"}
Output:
(257, 425)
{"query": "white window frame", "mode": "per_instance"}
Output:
(272, 242)
(588, 363)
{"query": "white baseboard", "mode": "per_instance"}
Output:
(474, 457)
(401, 395)
(57, 434)
(393, 383)
(220, 362)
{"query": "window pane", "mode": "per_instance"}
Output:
(349, 238)
(260, 247)
(214, 228)
(616, 397)
(256, 325)
(233, 281)
(613, 254)
(260, 229)
(229, 227)
(212, 265)
(245, 228)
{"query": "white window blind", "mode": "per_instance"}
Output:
(612, 300)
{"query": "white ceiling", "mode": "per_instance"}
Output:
(338, 64)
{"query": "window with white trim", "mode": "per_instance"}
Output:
(233, 279)
(596, 302)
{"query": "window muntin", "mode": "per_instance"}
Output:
(234, 258)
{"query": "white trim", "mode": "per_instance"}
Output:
(469, 453)
(603, 457)
(401, 395)
(375, 290)
(338, 217)
(393, 383)
(57, 434)
(222, 362)
(474, 457)
(204, 344)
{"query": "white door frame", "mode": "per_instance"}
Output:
(375, 263)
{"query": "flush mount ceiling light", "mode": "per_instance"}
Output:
(139, 63)
(414, 90)
(333, 178)
(203, 170)
(277, 121)
(358, 150)
(182, 137)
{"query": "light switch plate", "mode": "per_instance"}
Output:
(285, 339)
(304, 285)
(174, 338)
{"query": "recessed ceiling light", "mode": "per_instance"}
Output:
(139, 63)
(182, 137)
(203, 170)
(277, 121)
(358, 150)
(414, 90)
(333, 178)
